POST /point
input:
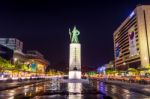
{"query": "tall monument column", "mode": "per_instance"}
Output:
(75, 55)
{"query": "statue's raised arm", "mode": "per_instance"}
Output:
(74, 35)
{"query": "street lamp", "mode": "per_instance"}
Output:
(124, 63)
(15, 60)
(145, 58)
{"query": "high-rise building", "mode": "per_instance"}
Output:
(12, 43)
(132, 40)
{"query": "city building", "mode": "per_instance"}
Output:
(109, 65)
(36, 61)
(12, 43)
(12, 49)
(6, 53)
(19, 57)
(132, 40)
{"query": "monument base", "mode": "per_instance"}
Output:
(75, 80)
(74, 74)
(75, 77)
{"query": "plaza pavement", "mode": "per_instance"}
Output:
(5, 85)
(140, 88)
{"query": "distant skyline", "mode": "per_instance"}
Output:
(44, 26)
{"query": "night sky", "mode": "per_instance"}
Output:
(43, 25)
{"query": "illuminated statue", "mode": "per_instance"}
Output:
(74, 35)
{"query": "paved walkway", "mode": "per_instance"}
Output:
(141, 88)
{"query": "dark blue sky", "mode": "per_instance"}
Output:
(43, 25)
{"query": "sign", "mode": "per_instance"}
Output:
(117, 50)
(132, 42)
(33, 67)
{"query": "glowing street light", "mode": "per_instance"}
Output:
(124, 63)
(145, 58)
(15, 59)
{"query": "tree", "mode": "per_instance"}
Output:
(133, 71)
(148, 66)
(111, 71)
(5, 65)
(24, 68)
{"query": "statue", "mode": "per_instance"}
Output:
(74, 35)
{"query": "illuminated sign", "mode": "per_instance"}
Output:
(117, 50)
(132, 42)
(33, 67)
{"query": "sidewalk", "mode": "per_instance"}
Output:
(140, 88)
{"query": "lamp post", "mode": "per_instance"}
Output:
(15, 60)
(124, 63)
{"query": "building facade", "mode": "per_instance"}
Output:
(132, 40)
(36, 61)
(6, 53)
(12, 49)
(109, 65)
(12, 43)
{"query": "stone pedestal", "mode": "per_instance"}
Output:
(74, 74)
(75, 61)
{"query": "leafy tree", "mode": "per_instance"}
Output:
(5, 65)
(134, 71)
(53, 72)
(111, 71)
(148, 66)
(24, 67)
